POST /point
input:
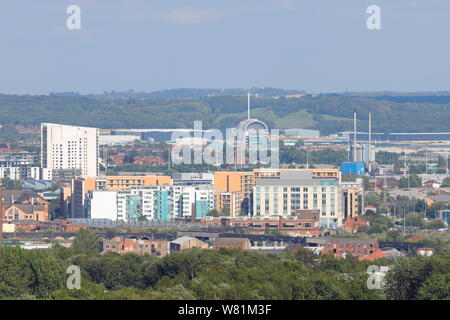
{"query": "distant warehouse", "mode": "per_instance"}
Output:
(157, 135)
(400, 137)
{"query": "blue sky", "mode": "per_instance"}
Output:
(148, 45)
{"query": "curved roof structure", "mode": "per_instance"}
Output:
(253, 124)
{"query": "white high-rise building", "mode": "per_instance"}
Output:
(69, 147)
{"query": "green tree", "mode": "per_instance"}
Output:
(407, 276)
(446, 182)
(305, 256)
(414, 220)
(373, 199)
(367, 185)
(435, 224)
(86, 239)
(411, 181)
(11, 184)
(142, 218)
(213, 213)
(32, 273)
(436, 287)
(384, 157)
(226, 211)
(393, 236)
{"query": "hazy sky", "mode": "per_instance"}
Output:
(148, 45)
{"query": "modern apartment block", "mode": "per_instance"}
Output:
(69, 147)
(316, 173)
(292, 191)
(353, 198)
(19, 165)
(127, 182)
(229, 201)
(193, 201)
(81, 187)
(19, 172)
(161, 203)
(231, 182)
(129, 205)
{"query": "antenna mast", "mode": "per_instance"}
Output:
(168, 157)
(446, 167)
(370, 141)
(248, 106)
(405, 160)
(354, 135)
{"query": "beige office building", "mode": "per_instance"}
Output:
(292, 191)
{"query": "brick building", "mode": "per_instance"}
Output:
(363, 249)
(148, 160)
(123, 246)
(304, 223)
(185, 243)
(232, 243)
(24, 205)
(352, 225)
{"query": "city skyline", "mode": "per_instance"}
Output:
(235, 151)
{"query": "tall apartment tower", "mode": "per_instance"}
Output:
(69, 147)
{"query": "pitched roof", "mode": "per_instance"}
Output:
(392, 253)
(350, 240)
(378, 254)
(442, 198)
(184, 239)
(17, 196)
(27, 208)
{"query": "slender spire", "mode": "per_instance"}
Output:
(354, 135)
(248, 106)
(446, 167)
(370, 141)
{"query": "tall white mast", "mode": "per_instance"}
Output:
(248, 106)
(446, 167)
(405, 160)
(370, 141)
(354, 135)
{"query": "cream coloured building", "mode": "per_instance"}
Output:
(293, 191)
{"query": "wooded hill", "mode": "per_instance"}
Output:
(327, 113)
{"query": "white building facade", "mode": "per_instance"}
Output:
(299, 191)
(69, 147)
(152, 203)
